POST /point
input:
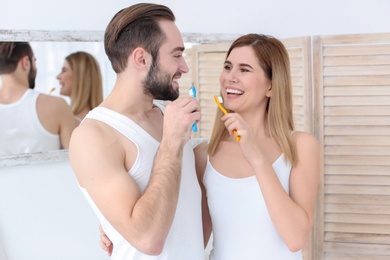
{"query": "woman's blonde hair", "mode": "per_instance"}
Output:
(274, 60)
(87, 87)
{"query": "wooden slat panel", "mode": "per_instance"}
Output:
(357, 199)
(358, 140)
(357, 150)
(299, 55)
(358, 228)
(358, 169)
(353, 50)
(362, 60)
(357, 80)
(358, 218)
(357, 111)
(357, 130)
(379, 180)
(358, 209)
(296, 72)
(358, 189)
(357, 238)
(357, 160)
(357, 101)
(357, 70)
(351, 256)
(358, 249)
(370, 90)
(357, 120)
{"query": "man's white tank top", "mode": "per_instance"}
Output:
(185, 238)
(20, 128)
(242, 227)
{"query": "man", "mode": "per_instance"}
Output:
(133, 160)
(30, 121)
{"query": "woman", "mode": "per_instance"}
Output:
(81, 80)
(259, 192)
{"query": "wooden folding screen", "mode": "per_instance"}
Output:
(352, 96)
(341, 94)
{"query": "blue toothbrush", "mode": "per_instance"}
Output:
(192, 92)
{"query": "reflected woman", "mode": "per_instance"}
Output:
(81, 80)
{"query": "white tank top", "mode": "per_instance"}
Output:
(242, 227)
(20, 128)
(185, 238)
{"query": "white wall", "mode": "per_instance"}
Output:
(281, 18)
(43, 213)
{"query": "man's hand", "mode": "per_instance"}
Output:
(105, 242)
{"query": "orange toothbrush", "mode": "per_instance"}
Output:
(219, 100)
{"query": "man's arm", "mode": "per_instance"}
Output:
(98, 160)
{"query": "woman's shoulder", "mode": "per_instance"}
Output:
(302, 135)
(200, 152)
(305, 140)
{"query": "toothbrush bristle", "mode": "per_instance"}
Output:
(220, 99)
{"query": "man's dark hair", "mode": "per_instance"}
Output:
(11, 53)
(132, 27)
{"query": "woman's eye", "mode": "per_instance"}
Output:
(226, 67)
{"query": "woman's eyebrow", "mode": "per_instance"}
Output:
(240, 64)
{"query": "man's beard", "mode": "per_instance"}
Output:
(158, 84)
(31, 77)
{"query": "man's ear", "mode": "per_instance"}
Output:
(25, 63)
(269, 92)
(140, 58)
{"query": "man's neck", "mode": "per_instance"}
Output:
(11, 89)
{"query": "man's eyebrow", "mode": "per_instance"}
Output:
(178, 49)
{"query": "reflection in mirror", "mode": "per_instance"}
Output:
(50, 58)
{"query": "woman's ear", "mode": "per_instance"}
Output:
(269, 92)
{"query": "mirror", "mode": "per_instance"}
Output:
(51, 48)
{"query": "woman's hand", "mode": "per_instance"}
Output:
(248, 143)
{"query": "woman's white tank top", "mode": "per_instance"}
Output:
(242, 227)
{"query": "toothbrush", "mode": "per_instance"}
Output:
(192, 92)
(51, 90)
(219, 101)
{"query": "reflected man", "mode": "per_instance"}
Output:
(30, 121)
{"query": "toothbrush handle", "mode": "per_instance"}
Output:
(237, 136)
(192, 93)
(194, 128)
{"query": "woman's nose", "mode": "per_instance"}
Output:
(231, 77)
